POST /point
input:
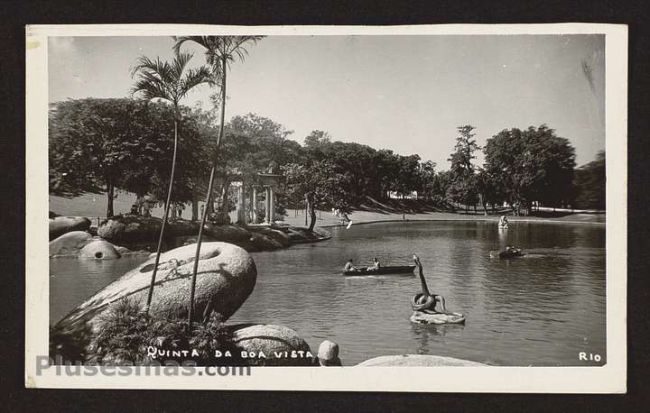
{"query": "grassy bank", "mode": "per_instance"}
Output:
(327, 219)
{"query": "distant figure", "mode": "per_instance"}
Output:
(135, 209)
(146, 209)
(503, 222)
(343, 216)
(375, 265)
(349, 266)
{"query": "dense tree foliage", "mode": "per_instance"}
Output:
(531, 165)
(462, 188)
(98, 145)
(127, 144)
(589, 184)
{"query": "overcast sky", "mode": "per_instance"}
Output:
(405, 93)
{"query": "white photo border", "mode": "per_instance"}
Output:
(610, 378)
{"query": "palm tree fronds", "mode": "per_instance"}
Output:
(157, 79)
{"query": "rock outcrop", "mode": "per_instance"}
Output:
(69, 243)
(226, 277)
(99, 249)
(62, 225)
(417, 360)
(128, 229)
(279, 237)
(271, 345)
(328, 354)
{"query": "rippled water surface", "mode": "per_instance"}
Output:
(542, 309)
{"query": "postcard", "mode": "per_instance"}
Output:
(431, 208)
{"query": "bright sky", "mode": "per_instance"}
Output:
(405, 93)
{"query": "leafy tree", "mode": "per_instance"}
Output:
(590, 184)
(125, 144)
(316, 141)
(427, 177)
(463, 188)
(531, 165)
(409, 175)
(254, 144)
(490, 190)
(319, 184)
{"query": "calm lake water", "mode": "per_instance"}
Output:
(540, 310)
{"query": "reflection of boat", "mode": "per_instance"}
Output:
(396, 269)
(507, 253)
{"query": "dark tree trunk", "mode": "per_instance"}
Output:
(309, 200)
(195, 208)
(225, 196)
(110, 194)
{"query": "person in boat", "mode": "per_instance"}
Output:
(511, 251)
(375, 265)
(503, 221)
(349, 266)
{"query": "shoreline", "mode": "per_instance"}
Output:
(327, 220)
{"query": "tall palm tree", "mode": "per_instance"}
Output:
(171, 82)
(220, 52)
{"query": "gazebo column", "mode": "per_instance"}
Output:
(241, 204)
(267, 215)
(254, 209)
(272, 205)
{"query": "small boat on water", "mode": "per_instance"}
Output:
(503, 226)
(507, 254)
(395, 269)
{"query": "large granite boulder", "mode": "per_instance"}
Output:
(227, 233)
(135, 228)
(69, 243)
(62, 225)
(226, 277)
(130, 228)
(264, 242)
(270, 345)
(280, 237)
(182, 227)
(417, 360)
(99, 249)
(328, 354)
(190, 239)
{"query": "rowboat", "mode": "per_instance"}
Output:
(507, 254)
(396, 269)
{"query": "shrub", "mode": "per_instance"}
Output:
(127, 333)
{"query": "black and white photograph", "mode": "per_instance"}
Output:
(226, 203)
